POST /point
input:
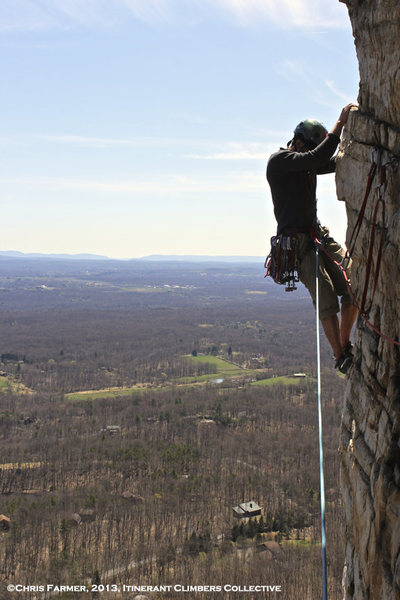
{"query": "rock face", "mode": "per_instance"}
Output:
(370, 447)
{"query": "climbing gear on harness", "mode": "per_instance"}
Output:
(282, 262)
(321, 452)
(312, 132)
(274, 269)
(380, 203)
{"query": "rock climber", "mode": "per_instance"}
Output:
(292, 175)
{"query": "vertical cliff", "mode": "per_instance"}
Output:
(370, 446)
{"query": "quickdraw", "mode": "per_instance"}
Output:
(282, 262)
(355, 302)
(379, 204)
(360, 218)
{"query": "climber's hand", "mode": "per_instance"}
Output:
(342, 120)
(344, 115)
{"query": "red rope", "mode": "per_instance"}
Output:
(362, 314)
(380, 202)
(360, 218)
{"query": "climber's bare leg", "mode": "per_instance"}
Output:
(348, 316)
(332, 332)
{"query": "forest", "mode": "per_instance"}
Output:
(140, 402)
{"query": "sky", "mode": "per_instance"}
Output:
(137, 127)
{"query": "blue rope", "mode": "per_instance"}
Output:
(321, 453)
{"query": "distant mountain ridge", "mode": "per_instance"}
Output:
(150, 257)
(17, 254)
(202, 258)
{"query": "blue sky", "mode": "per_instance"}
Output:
(133, 127)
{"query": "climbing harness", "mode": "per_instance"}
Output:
(321, 453)
(282, 265)
(282, 262)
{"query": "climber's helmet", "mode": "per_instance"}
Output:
(311, 132)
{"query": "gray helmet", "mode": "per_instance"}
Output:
(312, 132)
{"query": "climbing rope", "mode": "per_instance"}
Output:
(363, 316)
(321, 452)
(364, 312)
(379, 204)
(360, 218)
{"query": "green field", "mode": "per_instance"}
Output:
(109, 393)
(282, 380)
(221, 370)
(222, 366)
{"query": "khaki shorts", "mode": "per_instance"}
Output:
(332, 283)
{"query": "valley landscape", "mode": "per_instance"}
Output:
(140, 402)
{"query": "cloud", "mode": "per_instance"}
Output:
(82, 12)
(339, 93)
(246, 182)
(49, 15)
(43, 15)
(288, 13)
(240, 155)
(191, 148)
(39, 15)
(238, 151)
(86, 141)
(322, 91)
(151, 11)
(292, 69)
(22, 15)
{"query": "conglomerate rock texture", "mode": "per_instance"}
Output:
(370, 446)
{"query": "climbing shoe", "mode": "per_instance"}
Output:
(348, 349)
(344, 363)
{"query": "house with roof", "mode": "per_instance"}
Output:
(87, 515)
(246, 510)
